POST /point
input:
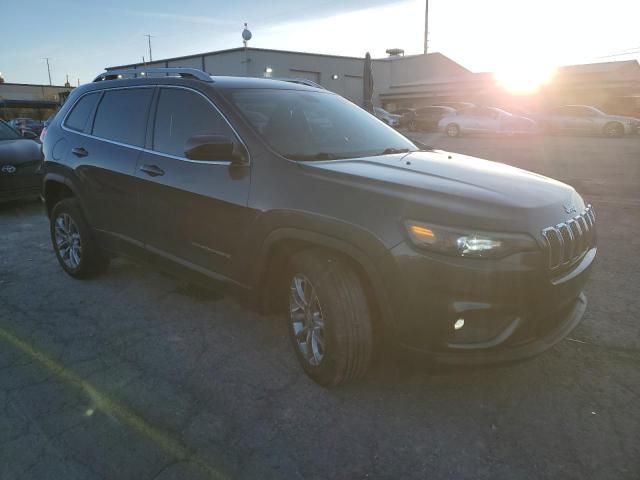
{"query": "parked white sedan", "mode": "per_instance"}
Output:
(486, 120)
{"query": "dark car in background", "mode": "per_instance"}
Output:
(20, 165)
(314, 208)
(404, 114)
(426, 118)
(585, 119)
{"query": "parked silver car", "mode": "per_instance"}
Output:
(587, 119)
(388, 118)
(485, 120)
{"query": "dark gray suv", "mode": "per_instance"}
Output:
(310, 205)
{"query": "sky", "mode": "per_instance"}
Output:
(514, 38)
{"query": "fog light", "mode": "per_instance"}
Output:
(459, 324)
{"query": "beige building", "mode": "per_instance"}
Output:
(30, 100)
(597, 84)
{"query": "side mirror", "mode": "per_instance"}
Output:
(212, 148)
(29, 134)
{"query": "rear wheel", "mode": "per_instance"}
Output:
(613, 129)
(329, 318)
(453, 130)
(75, 248)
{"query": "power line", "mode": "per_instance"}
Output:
(627, 51)
(632, 52)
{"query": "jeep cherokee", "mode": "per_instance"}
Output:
(311, 205)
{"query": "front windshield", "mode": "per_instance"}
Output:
(307, 125)
(7, 133)
(593, 111)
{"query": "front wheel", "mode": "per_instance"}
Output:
(329, 318)
(613, 129)
(75, 248)
(453, 130)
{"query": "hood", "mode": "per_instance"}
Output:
(622, 118)
(19, 151)
(462, 190)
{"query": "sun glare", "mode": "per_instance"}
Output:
(524, 79)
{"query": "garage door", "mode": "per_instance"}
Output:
(353, 88)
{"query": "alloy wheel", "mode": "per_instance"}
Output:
(613, 130)
(68, 241)
(306, 319)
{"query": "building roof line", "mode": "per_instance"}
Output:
(255, 49)
(34, 85)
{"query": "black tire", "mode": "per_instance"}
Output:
(346, 316)
(613, 130)
(92, 260)
(452, 130)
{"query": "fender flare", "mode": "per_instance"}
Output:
(53, 177)
(58, 178)
(367, 261)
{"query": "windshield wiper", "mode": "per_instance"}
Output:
(392, 150)
(422, 147)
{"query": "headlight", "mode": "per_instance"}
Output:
(469, 243)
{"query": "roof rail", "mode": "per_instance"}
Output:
(169, 71)
(299, 81)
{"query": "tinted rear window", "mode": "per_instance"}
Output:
(77, 119)
(122, 115)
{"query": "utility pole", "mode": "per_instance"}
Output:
(426, 25)
(149, 38)
(48, 69)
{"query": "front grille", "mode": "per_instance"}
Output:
(567, 242)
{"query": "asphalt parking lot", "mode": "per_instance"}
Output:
(137, 375)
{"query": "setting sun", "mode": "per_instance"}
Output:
(524, 79)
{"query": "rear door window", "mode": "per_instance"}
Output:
(182, 114)
(122, 115)
(81, 111)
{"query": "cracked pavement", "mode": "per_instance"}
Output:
(138, 375)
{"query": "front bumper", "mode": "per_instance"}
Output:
(511, 307)
(632, 128)
(564, 325)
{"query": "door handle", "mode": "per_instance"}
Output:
(79, 152)
(152, 170)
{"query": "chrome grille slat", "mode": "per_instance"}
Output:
(577, 233)
(569, 241)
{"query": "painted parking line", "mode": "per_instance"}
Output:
(107, 405)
